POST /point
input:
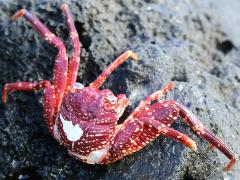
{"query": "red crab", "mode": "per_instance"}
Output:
(84, 119)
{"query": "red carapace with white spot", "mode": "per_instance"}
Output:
(84, 119)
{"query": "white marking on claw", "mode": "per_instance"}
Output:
(73, 132)
(94, 157)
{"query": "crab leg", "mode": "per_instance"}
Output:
(75, 59)
(60, 67)
(49, 101)
(191, 120)
(136, 134)
(154, 96)
(23, 86)
(100, 80)
(171, 133)
(48, 96)
(158, 94)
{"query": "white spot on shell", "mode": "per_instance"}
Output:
(94, 157)
(73, 132)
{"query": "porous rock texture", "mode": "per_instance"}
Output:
(186, 42)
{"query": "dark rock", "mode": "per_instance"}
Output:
(180, 42)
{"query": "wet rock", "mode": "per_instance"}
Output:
(180, 42)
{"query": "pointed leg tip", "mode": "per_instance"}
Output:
(64, 7)
(194, 146)
(18, 14)
(133, 55)
(230, 165)
(191, 144)
(170, 85)
(226, 169)
(4, 94)
(4, 100)
(194, 149)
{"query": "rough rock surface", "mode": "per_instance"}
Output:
(186, 42)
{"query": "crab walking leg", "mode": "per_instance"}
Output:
(100, 80)
(23, 86)
(191, 120)
(171, 133)
(136, 134)
(48, 96)
(49, 101)
(60, 67)
(158, 94)
(75, 59)
(154, 96)
(124, 139)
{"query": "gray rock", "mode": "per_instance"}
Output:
(181, 42)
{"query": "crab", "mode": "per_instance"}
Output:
(84, 119)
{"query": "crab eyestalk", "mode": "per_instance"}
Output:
(122, 58)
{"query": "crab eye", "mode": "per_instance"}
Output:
(110, 103)
(78, 86)
(111, 99)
